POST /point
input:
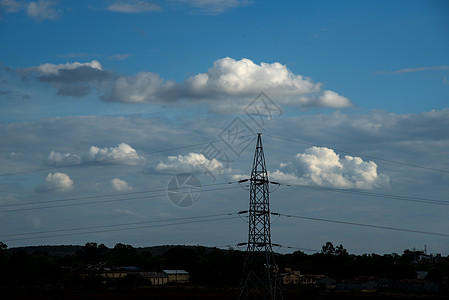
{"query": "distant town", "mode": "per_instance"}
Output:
(198, 272)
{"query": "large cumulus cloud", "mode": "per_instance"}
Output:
(228, 86)
(323, 167)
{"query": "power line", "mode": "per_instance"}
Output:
(116, 225)
(97, 161)
(362, 225)
(111, 159)
(277, 245)
(104, 196)
(102, 201)
(362, 155)
(368, 194)
(121, 229)
(296, 248)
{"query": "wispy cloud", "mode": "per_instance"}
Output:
(411, 70)
(133, 6)
(10, 6)
(114, 57)
(214, 7)
(38, 10)
(43, 10)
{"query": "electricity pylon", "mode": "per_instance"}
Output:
(260, 273)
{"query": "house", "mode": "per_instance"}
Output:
(155, 278)
(117, 272)
(290, 277)
(177, 276)
(295, 277)
(113, 273)
(311, 280)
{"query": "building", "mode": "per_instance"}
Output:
(311, 280)
(177, 276)
(295, 277)
(155, 278)
(290, 277)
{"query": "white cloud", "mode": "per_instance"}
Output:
(237, 177)
(323, 167)
(6, 199)
(57, 158)
(143, 87)
(419, 69)
(52, 69)
(35, 221)
(120, 185)
(117, 57)
(215, 6)
(332, 99)
(283, 177)
(11, 6)
(43, 10)
(114, 57)
(227, 87)
(57, 182)
(133, 6)
(191, 163)
(71, 79)
(122, 154)
(230, 76)
(125, 212)
(38, 10)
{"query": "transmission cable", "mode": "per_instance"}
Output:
(105, 196)
(361, 155)
(121, 224)
(104, 201)
(228, 216)
(362, 225)
(113, 159)
(369, 194)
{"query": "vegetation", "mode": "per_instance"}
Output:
(207, 266)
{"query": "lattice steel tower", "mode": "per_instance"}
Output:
(260, 273)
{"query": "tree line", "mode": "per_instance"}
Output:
(210, 266)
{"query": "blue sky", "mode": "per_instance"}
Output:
(83, 82)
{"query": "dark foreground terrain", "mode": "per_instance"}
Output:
(187, 293)
(84, 272)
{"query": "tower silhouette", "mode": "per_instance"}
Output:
(260, 278)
